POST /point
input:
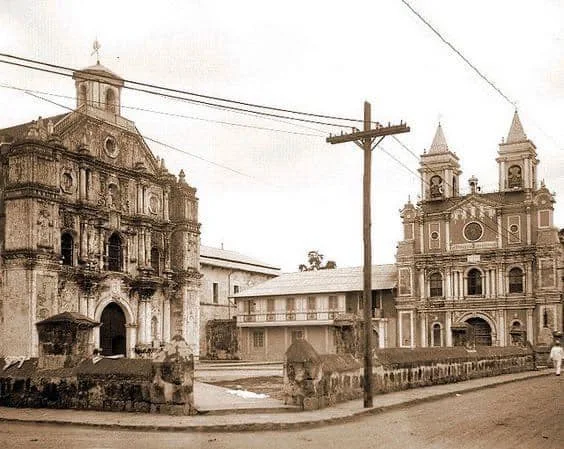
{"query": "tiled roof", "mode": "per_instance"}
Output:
(20, 131)
(70, 317)
(337, 280)
(231, 259)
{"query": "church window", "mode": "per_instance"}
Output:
(67, 243)
(544, 218)
(111, 147)
(156, 260)
(474, 282)
(436, 187)
(154, 328)
(215, 292)
(514, 177)
(82, 95)
(115, 256)
(436, 285)
(473, 231)
(110, 101)
(516, 280)
(436, 336)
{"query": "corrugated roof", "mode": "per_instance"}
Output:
(231, 259)
(337, 280)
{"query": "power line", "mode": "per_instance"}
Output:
(453, 48)
(185, 92)
(475, 69)
(190, 100)
(171, 114)
(172, 147)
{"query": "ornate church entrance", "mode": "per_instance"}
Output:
(482, 331)
(112, 331)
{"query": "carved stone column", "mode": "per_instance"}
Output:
(131, 338)
(165, 204)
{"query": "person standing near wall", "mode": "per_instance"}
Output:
(556, 355)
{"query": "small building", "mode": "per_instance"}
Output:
(225, 273)
(324, 307)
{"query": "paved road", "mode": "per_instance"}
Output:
(527, 414)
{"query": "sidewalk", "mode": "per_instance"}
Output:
(257, 419)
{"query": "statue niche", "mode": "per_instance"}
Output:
(436, 187)
(514, 177)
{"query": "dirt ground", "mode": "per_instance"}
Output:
(270, 385)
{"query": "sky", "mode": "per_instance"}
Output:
(285, 193)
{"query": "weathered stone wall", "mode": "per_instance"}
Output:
(163, 385)
(401, 369)
(313, 380)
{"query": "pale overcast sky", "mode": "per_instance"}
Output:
(325, 57)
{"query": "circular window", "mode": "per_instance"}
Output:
(434, 235)
(473, 231)
(111, 147)
(514, 228)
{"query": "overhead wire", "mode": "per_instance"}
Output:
(172, 147)
(190, 93)
(170, 114)
(474, 68)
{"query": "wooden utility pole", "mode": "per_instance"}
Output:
(365, 140)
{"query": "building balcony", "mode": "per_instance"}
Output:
(288, 317)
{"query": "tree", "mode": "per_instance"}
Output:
(315, 262)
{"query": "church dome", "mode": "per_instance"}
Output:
(99, 69)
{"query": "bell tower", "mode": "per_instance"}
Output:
(440, 170)
(98, 87)
(517, 160)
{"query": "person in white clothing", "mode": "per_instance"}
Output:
(556, 355)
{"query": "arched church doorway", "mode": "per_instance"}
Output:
(112, 331)
(482, 331)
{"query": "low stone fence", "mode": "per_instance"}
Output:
(161, 385)
(313, 380)
(401, 369)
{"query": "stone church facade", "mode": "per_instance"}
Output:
(91, 222)
(480, 268)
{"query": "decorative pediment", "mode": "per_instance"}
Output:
(473, 207)
(122, 146)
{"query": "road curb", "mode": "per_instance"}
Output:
(269, 426)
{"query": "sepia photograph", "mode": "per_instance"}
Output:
(281, 224)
